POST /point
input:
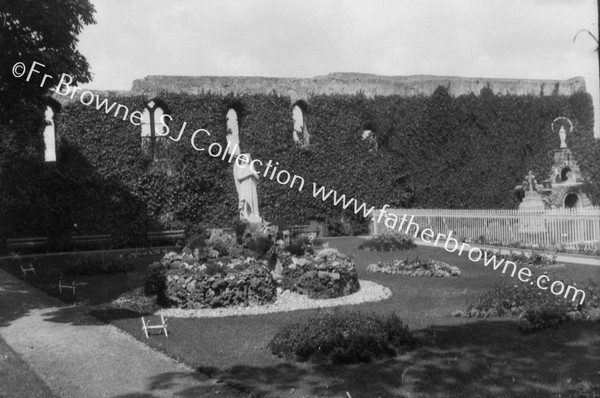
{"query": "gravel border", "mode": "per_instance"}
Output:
(287, 301)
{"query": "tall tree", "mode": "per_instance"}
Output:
(46, 32)
(43, 31)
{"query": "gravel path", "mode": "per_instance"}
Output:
(77, 356)
(287, 301)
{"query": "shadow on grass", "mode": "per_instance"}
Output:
(485, 358)
(185, 384)
(19, 299)
(20, 295)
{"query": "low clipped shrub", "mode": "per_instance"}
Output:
(327, 274)
(342, 337)
(543, 316)
(385, 242)
(416, 267)
(536, 309)
(100, 264)
(510, 301)
(535, 258)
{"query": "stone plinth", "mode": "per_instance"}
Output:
(531, 205)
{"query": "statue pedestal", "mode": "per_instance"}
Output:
(532, 208)
(255, 223)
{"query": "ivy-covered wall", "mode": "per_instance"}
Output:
(437, 151)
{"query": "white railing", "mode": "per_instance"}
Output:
(572, 227)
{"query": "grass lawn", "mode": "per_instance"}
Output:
(456, 356)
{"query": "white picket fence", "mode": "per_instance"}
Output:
(572, 228)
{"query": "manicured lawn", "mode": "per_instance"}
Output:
(456, 356)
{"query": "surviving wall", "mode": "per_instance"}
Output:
(352, 83)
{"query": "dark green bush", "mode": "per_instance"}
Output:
(196, 242)
(220, 247)
(98, 264)
(546, 315)
(537, 309)
(155, 278)
(342, 337)
(295, 249)
(509, 301)
(339, 228)
(260, 245)
(388, 242)
(239, 227)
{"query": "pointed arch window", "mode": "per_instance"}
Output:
(300, 134)
(155, 142)
(233, 131)
(368, 137)
(50, 136)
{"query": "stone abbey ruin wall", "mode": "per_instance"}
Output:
(351, 83)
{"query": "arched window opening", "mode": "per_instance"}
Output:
(50, 136)
(564, 174)
(368, 137)
(572, 200)
(233, 132)
(154, 130)
(300, 134)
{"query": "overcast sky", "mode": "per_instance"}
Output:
(284, 38)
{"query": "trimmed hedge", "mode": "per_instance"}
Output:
(388, 242)
(342, 337)
(100, 264)
(438, 151)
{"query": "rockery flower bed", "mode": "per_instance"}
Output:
(327, 274)
(416, 267)
(180, 282)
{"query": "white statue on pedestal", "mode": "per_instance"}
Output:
(245, 182)
(563, 137)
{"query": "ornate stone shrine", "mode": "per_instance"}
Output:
(562, 188)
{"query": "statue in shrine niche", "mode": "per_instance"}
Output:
(562, 132)
(245, 182)
(563, 137)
